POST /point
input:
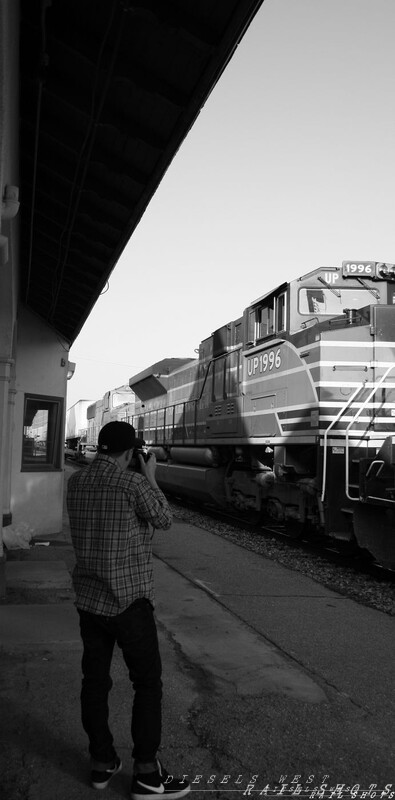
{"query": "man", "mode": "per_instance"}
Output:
(110, 509)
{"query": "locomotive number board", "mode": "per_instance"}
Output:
(360, 269)
(264, 362)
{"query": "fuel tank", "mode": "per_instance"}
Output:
(199, 456)
(205, 484)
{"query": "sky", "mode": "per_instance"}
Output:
(290, 166)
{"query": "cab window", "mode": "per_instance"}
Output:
(265, 320)
(333, 301)
(281, 312)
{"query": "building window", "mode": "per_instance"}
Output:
(42, 433)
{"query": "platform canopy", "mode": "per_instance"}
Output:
(109, 90)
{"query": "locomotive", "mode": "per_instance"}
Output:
(84, 420)
(116, 405)
(288, 412)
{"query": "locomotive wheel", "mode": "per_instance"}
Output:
(273, 516)
(347, 549)
(255, 518)
(292, 529)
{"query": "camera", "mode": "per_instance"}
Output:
(139, 451)
(135, 461)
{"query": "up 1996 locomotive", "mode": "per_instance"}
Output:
(288, 413)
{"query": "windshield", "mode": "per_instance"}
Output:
(325, 301)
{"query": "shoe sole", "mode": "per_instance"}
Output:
(100, 786)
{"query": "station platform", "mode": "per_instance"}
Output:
(273, 685)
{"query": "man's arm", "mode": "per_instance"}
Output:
(148, 469)
(151, 503)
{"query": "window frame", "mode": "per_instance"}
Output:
(56, 423)
(326, 292)
(281, 308)
(264, 319)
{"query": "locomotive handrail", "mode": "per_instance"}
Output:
(380, 469)
(205, 379)
(359, 411)
(333, 423)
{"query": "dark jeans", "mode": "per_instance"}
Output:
(135, 633)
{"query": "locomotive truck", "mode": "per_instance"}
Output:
(288, 412)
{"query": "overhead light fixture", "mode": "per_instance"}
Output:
(10, 204)
(70, 370)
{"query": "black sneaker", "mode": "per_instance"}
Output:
(100, 780)
(148, 787)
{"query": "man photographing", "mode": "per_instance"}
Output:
(110, 509)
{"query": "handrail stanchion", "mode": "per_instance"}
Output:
(333, 423)
(363, 406)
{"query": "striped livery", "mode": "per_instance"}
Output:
(288, 412)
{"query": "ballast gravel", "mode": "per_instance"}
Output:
(376, 591)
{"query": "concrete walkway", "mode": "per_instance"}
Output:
(249, 687)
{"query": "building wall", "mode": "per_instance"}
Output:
(9, 232)
(41, 369)
(33, 359)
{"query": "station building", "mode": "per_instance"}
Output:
(96, 97)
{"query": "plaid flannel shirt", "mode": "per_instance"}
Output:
(109, 511)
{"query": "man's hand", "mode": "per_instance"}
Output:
(148, 469)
